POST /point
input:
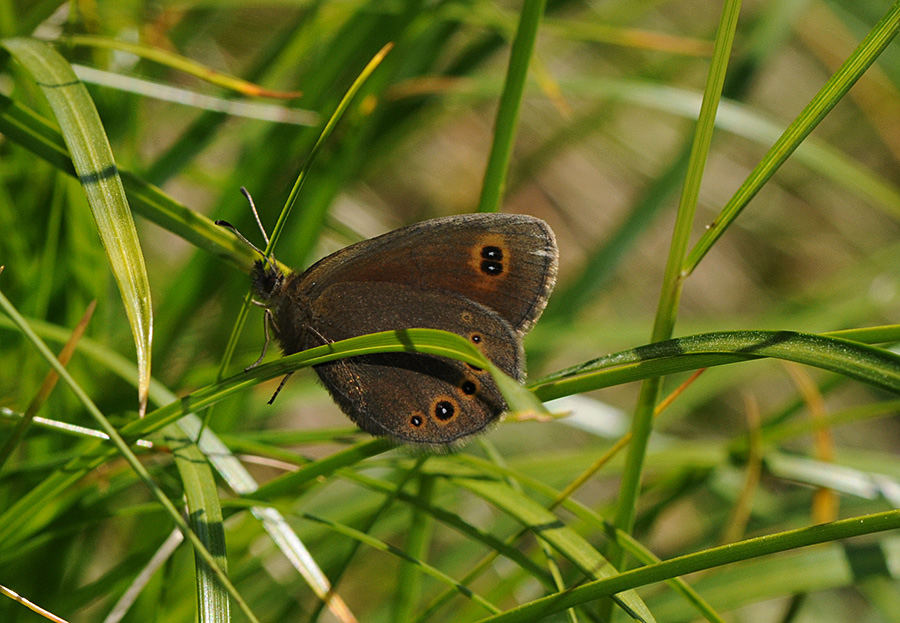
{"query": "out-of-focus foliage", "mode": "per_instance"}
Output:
(604, 132)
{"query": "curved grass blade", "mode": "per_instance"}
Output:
(91, 154)
(326, 133)
(427, 341)
(875, 366)
(180, 63)
(342, 106)
(205, 514)
(243, 483)
(20, 519)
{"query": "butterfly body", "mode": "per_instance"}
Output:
(485, 277)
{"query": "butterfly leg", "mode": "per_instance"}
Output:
(267, 318)
(280, 385)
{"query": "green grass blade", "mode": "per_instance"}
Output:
(205, 514)
(548, 527)
(123, 448)
(17, 522)
(510, 102)
(600, 525)
(827, 98)
(428, 341)
(323, 137)
(295, 193)
(707, 559)
(673, 280)
(28, 128)
(242, 482)
(419, 538)
(875, 366)
(91, 154)
(35, 133)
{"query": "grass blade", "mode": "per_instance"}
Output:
(707, 559)
(673, 280)
(510, 101)
(123, 449)
(876, 366)
(91, 154)
(827, 98)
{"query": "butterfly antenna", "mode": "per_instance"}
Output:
(246, 193)
(243, 238)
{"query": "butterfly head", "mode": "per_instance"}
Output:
(266, 279)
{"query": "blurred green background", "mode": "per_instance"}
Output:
(604, 132)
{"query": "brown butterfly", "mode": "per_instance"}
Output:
(485, 277)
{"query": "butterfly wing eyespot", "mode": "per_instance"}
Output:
(445, 408)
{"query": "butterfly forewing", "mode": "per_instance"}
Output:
(506, 262)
